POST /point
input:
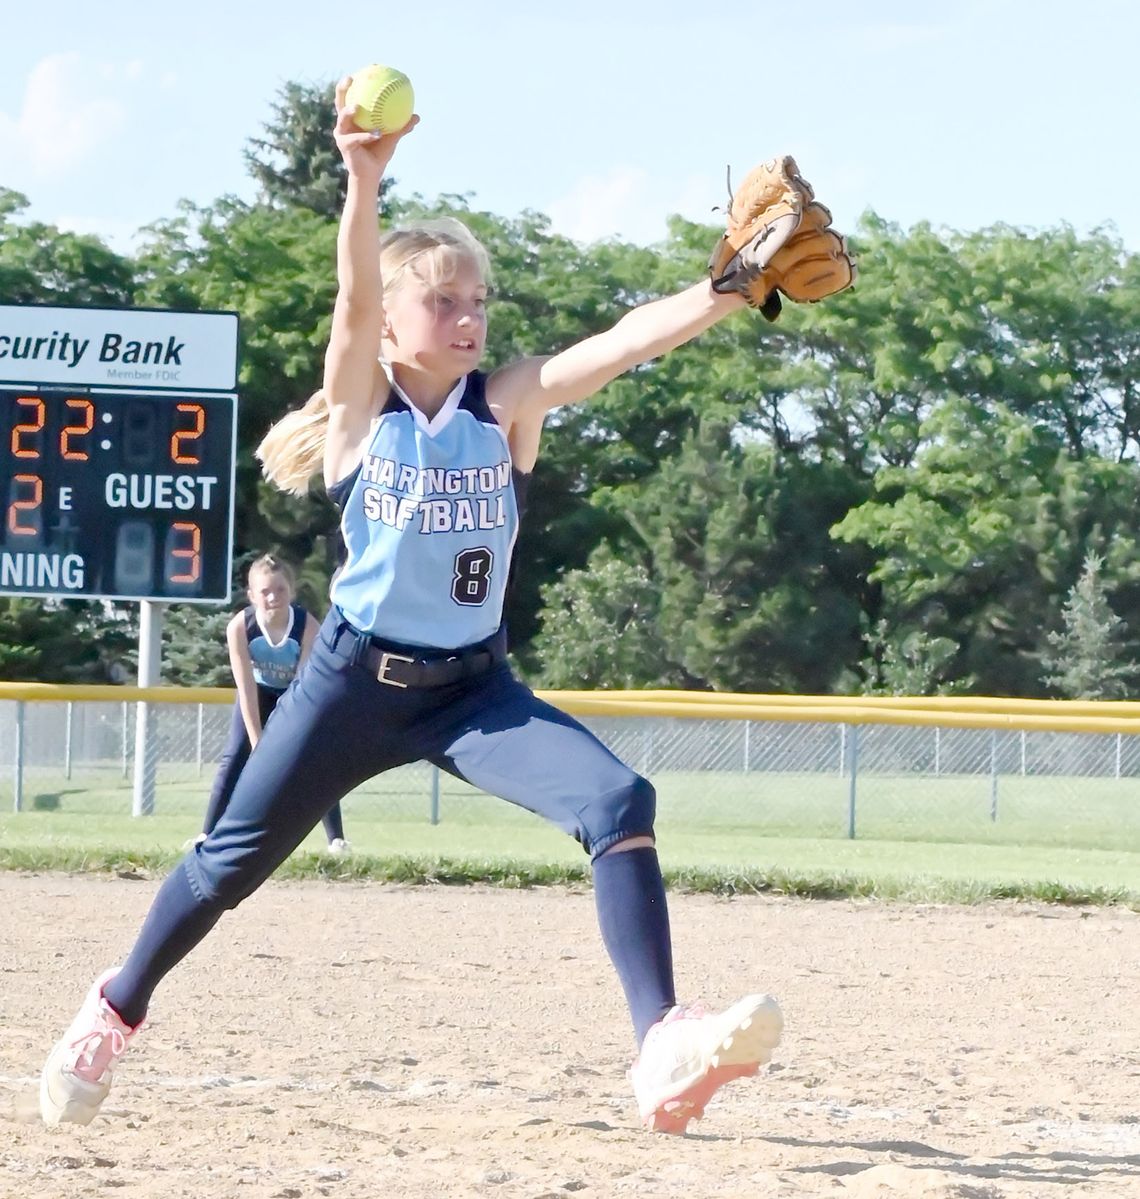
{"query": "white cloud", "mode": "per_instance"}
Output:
(631, 204)
(63, 119)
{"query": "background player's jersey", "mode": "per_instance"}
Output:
(429, 521)
(274, 665)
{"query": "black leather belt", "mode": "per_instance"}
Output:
(404, 667)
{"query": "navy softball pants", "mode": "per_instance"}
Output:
(338, 725)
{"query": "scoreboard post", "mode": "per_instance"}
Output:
(118, 430)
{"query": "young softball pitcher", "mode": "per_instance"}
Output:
(268, 641)
(428, 460)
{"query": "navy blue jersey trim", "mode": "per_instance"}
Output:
(521, 484)
(475, 399)
(342, 489)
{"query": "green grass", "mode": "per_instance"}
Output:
(1056, 839)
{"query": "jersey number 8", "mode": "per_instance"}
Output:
(472, 582)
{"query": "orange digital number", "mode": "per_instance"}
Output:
(85, 425)
(31, 427)
(178, 452)
(192, 554)
(27, 505)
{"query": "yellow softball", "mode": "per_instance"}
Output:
(380, 98)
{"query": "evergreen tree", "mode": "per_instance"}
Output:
(1088, 658)
(70, 641)
(194, 650)
(296, 163)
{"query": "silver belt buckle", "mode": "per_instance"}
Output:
(386, 660)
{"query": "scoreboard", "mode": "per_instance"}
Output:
(123, 494)
(117, 436)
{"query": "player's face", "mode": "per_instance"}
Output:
(440, 327)
(269, 591)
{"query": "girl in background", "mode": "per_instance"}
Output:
(268, 641)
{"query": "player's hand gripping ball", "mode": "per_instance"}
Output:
(380, 98)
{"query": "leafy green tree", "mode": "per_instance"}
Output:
(900, 662)
(975, 538)
(1046, 324)
(928, 456)
(42, 264)
(868, 366)
(1062, 323)
(1088, 656)
(753, 596)
(601, 627)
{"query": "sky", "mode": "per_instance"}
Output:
(606, 116)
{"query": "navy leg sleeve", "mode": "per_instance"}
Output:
(634, 919)
(175, 924)
(333, 821)
(516, 746)
(323, 740)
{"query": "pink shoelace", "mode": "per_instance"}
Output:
(95, 1052)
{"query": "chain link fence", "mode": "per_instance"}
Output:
(768, 778)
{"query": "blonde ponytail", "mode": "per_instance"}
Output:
(293, 450)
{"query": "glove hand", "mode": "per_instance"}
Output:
(778, 238)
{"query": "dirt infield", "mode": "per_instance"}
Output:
(359, 1041)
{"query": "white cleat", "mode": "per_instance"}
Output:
(690, 1054)
(77, 1075)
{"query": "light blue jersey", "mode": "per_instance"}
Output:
(429, 521)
